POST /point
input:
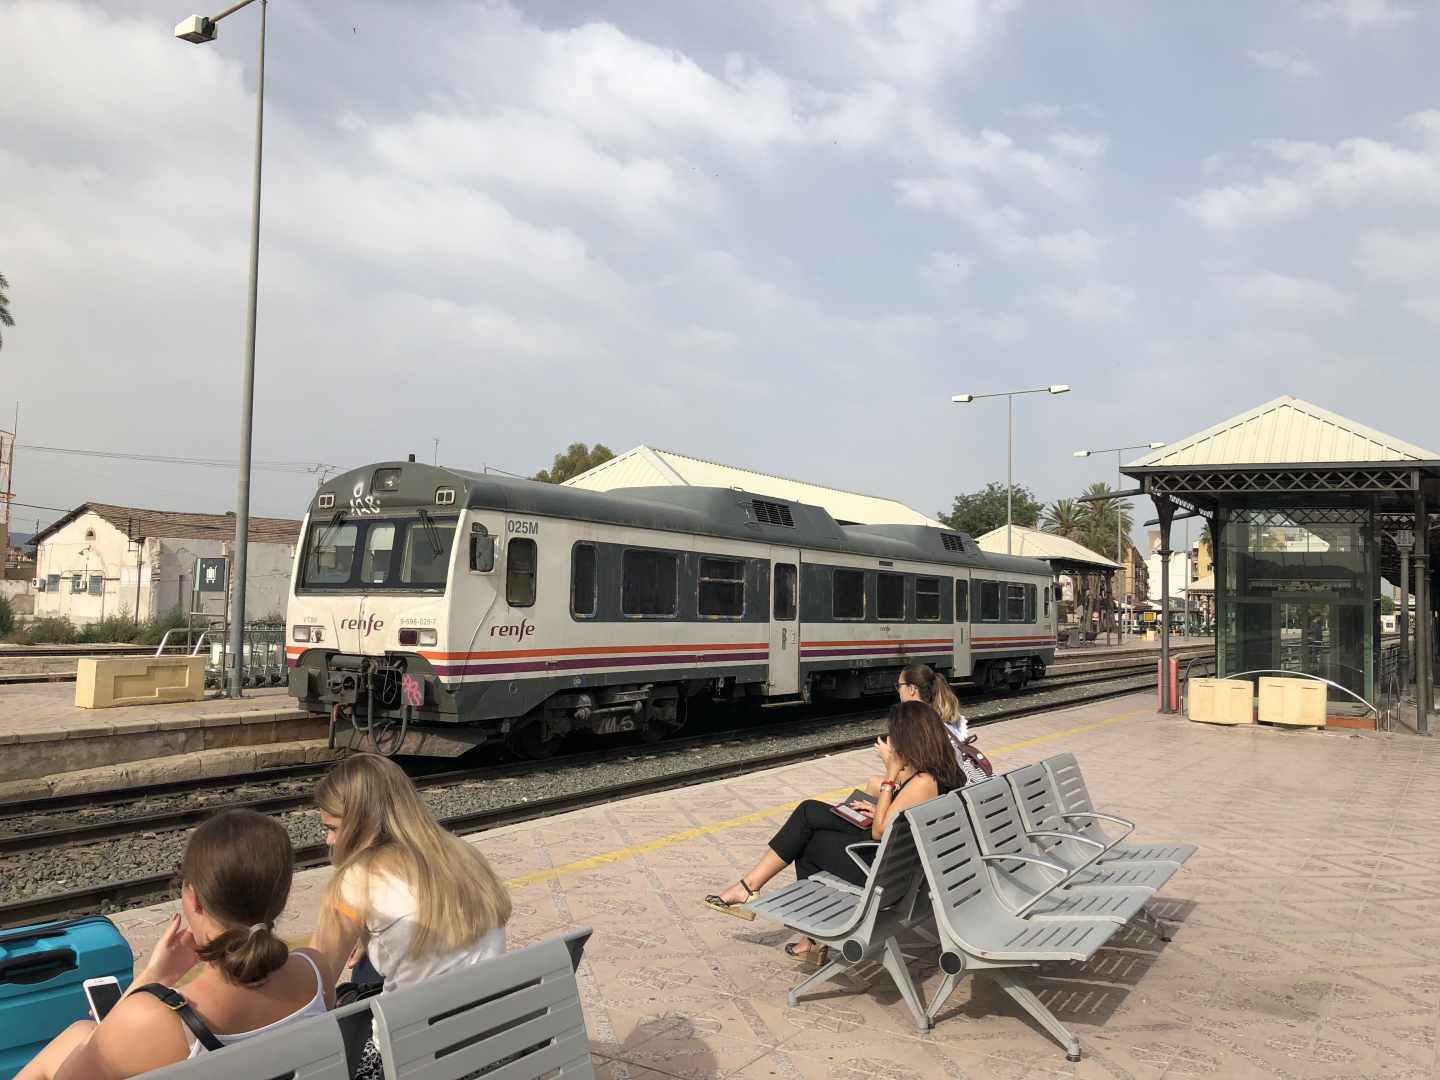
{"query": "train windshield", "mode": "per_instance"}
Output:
(376, 553)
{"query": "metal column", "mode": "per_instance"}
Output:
(1424, 669)
(1166, 511)
(1404, 618)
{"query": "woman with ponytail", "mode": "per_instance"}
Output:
(235, 881)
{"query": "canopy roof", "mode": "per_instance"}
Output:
(1061, 553)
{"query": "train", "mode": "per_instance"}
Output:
(434, 610)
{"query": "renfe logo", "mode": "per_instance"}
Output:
(363, 625)
(524, 630)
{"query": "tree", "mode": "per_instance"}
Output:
(1097, 521)
(1064, 518)
(576, 459)
(981, 511)
(1387, 605)
(5, 317)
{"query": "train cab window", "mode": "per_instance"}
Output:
(847, 597)
(721, 588)
(1030, 612)
(520, 573)
(927, 599)
(890, 598)
(648, 583)
(1014, 603)
(379, 547)
(785, 593)
(989, 601)
(962, 601)
(331, 554)
(426, 561)
(584, 585)
(482, 549)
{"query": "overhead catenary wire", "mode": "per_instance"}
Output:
(298, 467)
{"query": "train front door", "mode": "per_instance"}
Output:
(784, 623)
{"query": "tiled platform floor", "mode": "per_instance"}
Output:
(1308, 943)
(46, 711)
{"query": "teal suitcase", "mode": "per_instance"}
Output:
(42, 969)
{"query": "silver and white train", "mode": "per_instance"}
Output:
(434, 610)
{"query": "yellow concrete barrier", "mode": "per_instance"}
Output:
(1221, 701)
(138, 680)
(1296, 702)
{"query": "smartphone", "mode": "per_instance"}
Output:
(102, 993)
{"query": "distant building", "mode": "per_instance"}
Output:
(645, 466)
(101, 560)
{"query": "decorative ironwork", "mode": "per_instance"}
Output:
(1298, 516)
(1290, 481)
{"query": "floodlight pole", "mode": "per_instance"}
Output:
(247, 397)
(1010, 396)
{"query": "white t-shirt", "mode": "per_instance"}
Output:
(391, 908)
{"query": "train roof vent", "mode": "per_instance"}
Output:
(772, 513)
(952, 542)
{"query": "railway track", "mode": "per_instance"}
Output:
(115, 894)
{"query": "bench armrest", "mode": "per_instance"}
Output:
(1128, 825)
(1019, 912)
(850, 849)
(1059, 868)
(1069, 836)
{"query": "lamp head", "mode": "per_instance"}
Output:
(1156, 445)
(197, 30)
(963, 399)
(1061, 388)
(1081, 453)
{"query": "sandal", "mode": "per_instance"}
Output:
(812, 957)
(737, 910)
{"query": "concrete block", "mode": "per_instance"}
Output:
(1221, 701)
(138, 680)
(1293, 702)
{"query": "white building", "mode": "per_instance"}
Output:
(101, 560)
(645, 466)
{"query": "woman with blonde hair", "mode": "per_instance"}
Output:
(421, 901)
(235, 882)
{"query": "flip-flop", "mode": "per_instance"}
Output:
(737, 911)
(813, 957)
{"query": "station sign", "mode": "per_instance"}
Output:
(211, 574)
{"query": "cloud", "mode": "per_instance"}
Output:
(1045, 112)
(1427, 308)
(1080, 145)
(1390, 255)
(1358, 15)
(1095, 302)
(945, 269)
(1292, 64)
(1313, 174)
(1274, 290)
(704, 338)
(1002, 228)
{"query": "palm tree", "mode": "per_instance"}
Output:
(1064, 518)
(5, 317)
(1097, 529)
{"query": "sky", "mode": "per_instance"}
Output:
(774, 235)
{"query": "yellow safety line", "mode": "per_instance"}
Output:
(536, 876)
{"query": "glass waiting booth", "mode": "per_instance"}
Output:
(1295, 592)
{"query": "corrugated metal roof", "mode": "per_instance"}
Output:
(645, 466)
(1286, 431)
(1034, 544)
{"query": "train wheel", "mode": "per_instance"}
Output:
(534, 741)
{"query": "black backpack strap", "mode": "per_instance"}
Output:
(175, 1001)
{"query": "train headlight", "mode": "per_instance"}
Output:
(307, 633)
(413, 636)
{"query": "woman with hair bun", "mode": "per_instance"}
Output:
(235, 882)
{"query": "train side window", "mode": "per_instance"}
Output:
(584, 584)
(482, 549)
(1014, 603)
(989, 601)
(785, 592)
(1030, 611)
(1047, 601)
(962, 601)
(890, 598)
(721, 588)
(847, 596)
(927, 599)
(648, 586)
(520, 573)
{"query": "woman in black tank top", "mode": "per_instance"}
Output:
(919, 764)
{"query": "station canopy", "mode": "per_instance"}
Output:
(1065, 556)
(645, 466)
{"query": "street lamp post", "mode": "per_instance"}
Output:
(199, 30)
(1009, 396)
(1117, 451)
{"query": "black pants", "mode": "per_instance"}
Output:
(815, 838)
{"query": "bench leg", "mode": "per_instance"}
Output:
(1026, 999)
(947, 987)
(895, 965)
(829, 971)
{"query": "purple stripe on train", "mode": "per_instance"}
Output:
(451, 670)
